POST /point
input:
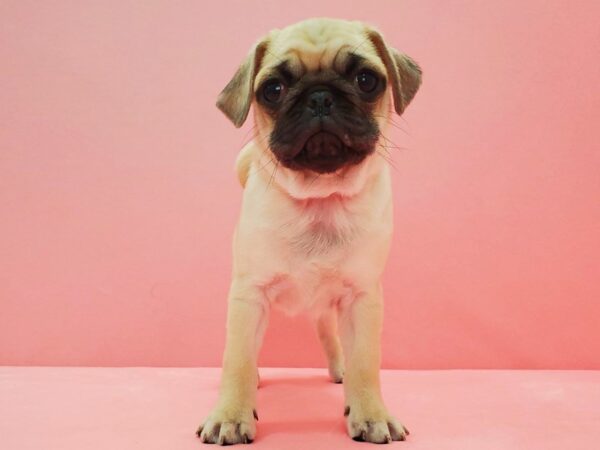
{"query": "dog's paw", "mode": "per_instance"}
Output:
(227, 426)
(375, 426)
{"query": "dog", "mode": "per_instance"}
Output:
(316, 220)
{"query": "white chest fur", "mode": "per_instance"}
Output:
(308, 254)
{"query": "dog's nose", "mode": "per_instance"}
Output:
(320, 103)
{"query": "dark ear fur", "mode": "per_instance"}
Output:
(404, 74)
(236, 98)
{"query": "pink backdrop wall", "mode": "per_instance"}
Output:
(118, 198)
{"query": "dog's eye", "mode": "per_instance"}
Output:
(367, 81)
(273, 91)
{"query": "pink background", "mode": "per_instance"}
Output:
(118, 198)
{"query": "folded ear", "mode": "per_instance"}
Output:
(236, 98)
(404, 74)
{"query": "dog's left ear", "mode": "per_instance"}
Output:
(236, 98)
(404, 73)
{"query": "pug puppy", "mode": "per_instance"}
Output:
(316, 221)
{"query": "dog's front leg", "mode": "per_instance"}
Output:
(367, 417)
(232, 421)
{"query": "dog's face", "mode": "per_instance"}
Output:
(321, 93)
(325, 120)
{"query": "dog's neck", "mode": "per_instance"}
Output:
(315, 214)
(342, 185)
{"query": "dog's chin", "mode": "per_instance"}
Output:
(346, 181)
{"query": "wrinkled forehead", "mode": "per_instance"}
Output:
(304, 50)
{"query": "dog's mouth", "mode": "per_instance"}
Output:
(325, 152)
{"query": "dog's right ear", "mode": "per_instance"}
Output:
(404, 73)
(236, 98)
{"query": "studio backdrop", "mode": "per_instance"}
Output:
(118, 197)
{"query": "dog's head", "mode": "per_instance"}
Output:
(320, 90)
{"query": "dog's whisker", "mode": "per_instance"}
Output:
(313, 180)
(263, 167)
(297, 175)
(391, 143)
(272, 175)
(395, 147)
(392, 122)
(385, 147)
(387, 158)
(258, 140)
(387, 151)
(262, 139)
(250, 130)
(248, 140)
(396, 125)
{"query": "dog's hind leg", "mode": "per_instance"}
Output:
(327, 330)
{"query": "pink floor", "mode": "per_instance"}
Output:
(141, 408)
